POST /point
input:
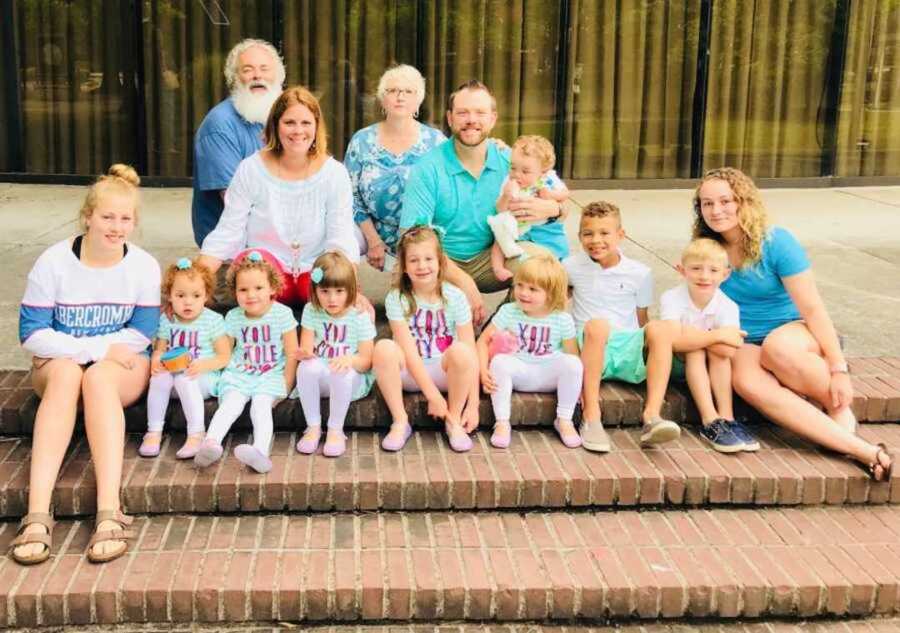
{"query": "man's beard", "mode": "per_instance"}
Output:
(457, 134)
(254, 107)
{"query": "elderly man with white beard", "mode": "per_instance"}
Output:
(232, 131)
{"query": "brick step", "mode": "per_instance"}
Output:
(536, 472)
(819, 625)
(726, 563)
(876, 381)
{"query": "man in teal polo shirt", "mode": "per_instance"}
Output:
(456, 186)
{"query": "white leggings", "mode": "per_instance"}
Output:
(231, 405)
(434, 369)
(315, 381)
(562, 373)
(192, 391)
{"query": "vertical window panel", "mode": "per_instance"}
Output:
(766, 92)
(869, 118)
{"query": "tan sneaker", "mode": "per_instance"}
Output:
(659, 431)
(594, 437)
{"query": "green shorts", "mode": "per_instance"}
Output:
(624, 356)
(678, 372)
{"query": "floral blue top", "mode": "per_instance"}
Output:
(379, 178)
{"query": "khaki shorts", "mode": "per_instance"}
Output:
(479, 267)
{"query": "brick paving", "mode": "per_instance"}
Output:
(876, 382)
(880, 625)
(536, 472)
(534, 534)
(725, 563)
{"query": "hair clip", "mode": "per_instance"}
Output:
(255, 257)
(183, 264)
(317, 274)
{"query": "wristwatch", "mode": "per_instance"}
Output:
(556, 217)
(839, 368)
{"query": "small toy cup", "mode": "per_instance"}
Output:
(176, 359)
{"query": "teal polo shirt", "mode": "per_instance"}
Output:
(441, 192)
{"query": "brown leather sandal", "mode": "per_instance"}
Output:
(885, 470)
(121, 534)
(41, 518)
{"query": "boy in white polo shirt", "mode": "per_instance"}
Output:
(705, 314)
(611, 294)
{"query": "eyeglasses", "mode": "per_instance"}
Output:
(406, 92)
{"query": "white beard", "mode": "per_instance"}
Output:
(254, 107)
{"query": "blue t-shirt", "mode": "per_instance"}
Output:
(379, 178)
(440, 191)
(759, 291)
(222, 141)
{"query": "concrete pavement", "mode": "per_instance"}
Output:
(851, 235)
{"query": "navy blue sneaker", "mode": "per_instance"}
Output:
(719, 436)
(746, 437)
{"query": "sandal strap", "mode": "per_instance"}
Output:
(113, 515)
(111, 535)
(28, 538)
(41, 518)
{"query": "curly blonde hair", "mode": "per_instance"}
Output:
(196, 270)
(246, 263)
(751, 214)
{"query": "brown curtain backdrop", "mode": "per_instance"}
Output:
(185, 45)
(630, 89)
(77, 97)
(868, 142)
(340, 48)
(767, 73)
(511, 46)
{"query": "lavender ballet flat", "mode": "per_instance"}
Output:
(307, 445)
(149, 449)
(459, 440)
(394, 444)
(335, 447)
(191, 447)
(501, 440)
(210, 451)
(571, 440)
(252, 457)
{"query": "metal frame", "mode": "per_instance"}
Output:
(10, 51)
(834, 85)
(701, 86)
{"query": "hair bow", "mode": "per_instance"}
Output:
(255, 257)
(317, 274)
(440, 231)
(183, 264)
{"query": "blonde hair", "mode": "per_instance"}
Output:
(245, 264)
(337, 272)
(545, 272)
(196, 270)
(417, 235)
(535, 146)
(751, 214)
(402, 73)
(293, 96)
(601, 209)
(231, 62)
(704, 249)
(120, 177)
